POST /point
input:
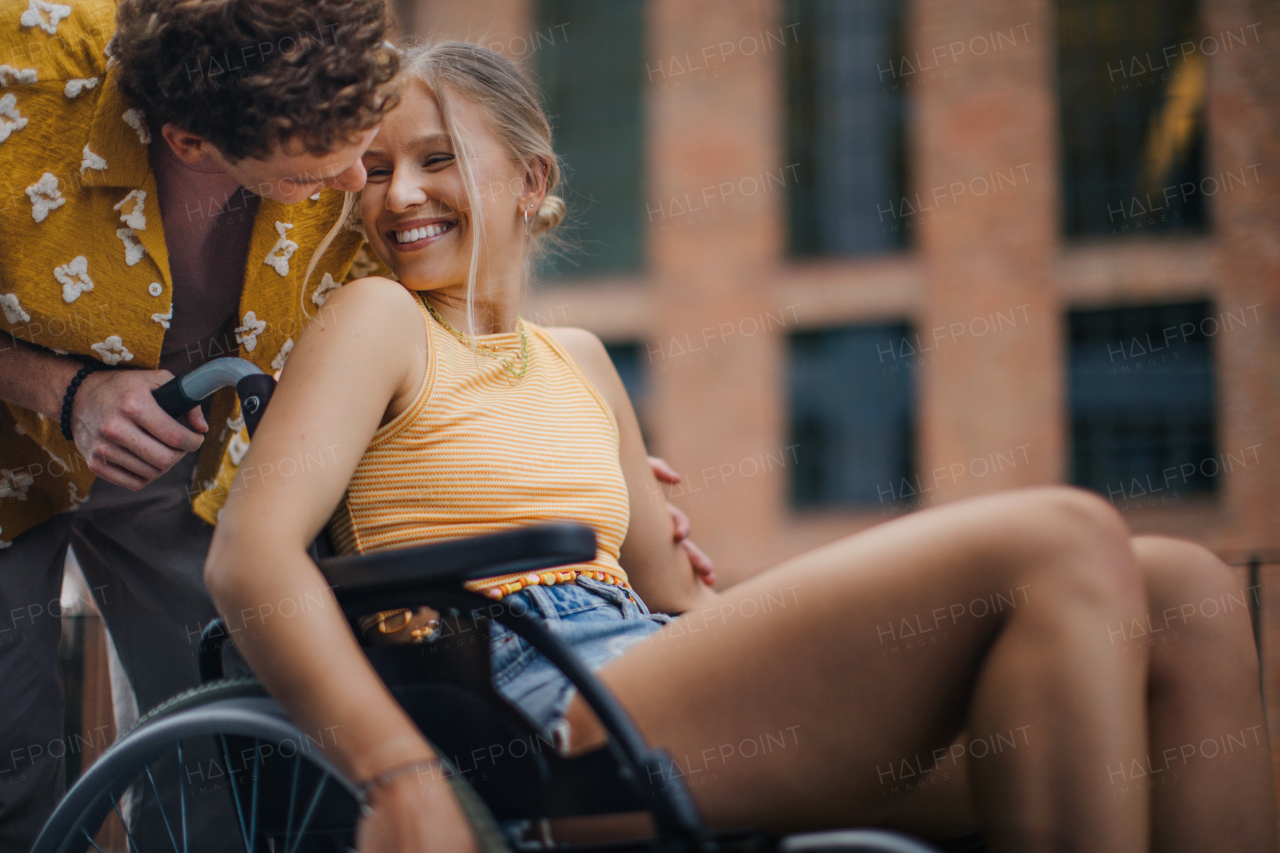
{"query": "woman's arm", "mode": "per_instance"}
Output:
(351, 369)
(657, 566)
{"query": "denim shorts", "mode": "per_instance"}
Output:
(600, 621)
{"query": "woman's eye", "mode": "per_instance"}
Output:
(376, 172)
(438, 161)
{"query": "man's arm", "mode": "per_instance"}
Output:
(33, 377)
(126, 438)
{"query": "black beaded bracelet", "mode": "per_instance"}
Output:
(89, 367)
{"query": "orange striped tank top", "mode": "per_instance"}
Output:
(479, 451)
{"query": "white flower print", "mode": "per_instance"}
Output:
(112, 350)
(89, 160)
(237, 448)
(282, 251)
(75, 87)
(137, 119)
(136, 218)
(33, 18)
(12, 310)
(76, 497)
(19, 75)
(14, 484)
(9, 110)
(315, 197)
(277, 364)
(74, 276)
(133, 250)
(44, 196)
(327, 285)
(19, 430)
(247, 334)
(163, 319)
(234, 425)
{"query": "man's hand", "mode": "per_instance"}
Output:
(123, 433)
(701, 563)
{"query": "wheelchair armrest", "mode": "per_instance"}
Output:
(380, 579)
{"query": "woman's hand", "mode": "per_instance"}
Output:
(414, 813)
(701, 563)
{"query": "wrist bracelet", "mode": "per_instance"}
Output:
(88, 368)
(364, 789)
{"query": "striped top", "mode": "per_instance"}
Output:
(478, 451)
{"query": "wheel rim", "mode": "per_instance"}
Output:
(283, 794)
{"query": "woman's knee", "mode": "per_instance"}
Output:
(1073, 541)
(1189, 588)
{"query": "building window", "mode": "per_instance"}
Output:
(627, 360)
(845, 80)
(1142, 402)
(1131, 79)
(592, 81)
(852, 430)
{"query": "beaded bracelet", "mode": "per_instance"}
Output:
(364, 789)
(88, 368)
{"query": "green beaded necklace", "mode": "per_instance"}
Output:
(485, 348)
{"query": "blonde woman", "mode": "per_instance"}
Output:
(447, 415)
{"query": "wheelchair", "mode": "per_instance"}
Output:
(246, 778)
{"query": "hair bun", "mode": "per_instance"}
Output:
(550, 212)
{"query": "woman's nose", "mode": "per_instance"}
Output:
(405, 191)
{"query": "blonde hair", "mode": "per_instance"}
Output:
(496, 83)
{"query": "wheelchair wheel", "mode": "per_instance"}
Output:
(218, 768)
(221, 768)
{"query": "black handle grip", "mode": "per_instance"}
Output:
(173, 399)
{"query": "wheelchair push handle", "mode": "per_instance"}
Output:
(183, 393)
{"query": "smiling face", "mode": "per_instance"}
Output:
(415, 207)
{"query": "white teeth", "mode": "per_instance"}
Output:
(415, 234)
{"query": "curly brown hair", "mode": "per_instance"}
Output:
(249, 74)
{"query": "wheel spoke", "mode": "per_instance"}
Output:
(253, 808)
(90, 839)
(306, 818)
(182, 795)
(235, 793)
(128, 835)
(160, 806)
(293, 796)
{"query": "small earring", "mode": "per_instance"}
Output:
(526, 220)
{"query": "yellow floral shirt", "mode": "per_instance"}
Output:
(83, 264)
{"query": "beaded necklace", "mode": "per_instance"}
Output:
(485, 348)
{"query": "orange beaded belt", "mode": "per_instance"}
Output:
(392, 621)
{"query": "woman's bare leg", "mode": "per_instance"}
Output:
(821, 687)
(1208, 766)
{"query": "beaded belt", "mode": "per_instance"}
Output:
(392, 621)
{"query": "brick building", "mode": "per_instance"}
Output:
(855, 258)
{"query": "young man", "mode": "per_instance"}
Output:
(171, 170)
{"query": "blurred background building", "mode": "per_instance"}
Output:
(855, 258)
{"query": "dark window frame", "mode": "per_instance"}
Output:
(857, 413)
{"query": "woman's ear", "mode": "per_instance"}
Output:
(535, 183)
